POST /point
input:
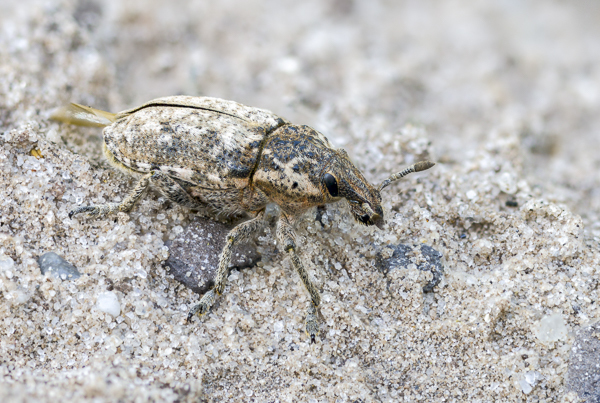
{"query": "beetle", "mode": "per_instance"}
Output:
(229, 158)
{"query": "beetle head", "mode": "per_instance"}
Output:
(341, 179)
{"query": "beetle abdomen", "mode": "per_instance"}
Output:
(206, 148)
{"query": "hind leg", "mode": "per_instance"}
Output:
(100, 210)
(167, 186)
(173, 190)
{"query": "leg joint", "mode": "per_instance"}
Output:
(289, 244)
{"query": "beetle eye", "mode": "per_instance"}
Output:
(331, 183)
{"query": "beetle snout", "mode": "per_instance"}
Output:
(377, 217)
(367, 215)
(377, 220)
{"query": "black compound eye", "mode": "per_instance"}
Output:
(331, 183)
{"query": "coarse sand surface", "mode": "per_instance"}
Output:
(504, 96)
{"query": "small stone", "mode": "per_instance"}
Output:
(194, 254)
(108, 302)
(552, 328)
(583, 375)
(56, 266)
(507, 183)
(483, 247)
(7, 266)
(525, 386)
(400, 258)
(532, 377)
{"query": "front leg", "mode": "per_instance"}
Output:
(286, 236)
(237, 234)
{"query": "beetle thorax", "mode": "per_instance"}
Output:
(291, 167)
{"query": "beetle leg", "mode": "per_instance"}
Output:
(101, 210)
(286, 235)
(167, 186)
(172, 190)
(237, 234)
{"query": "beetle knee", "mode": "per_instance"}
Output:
(289, 245)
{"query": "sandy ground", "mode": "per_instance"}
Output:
(503, 95)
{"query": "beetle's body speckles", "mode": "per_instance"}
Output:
(200, 146)
(294, 155)
(231, 158)
(212, 155)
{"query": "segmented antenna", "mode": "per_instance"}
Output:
(418, 167)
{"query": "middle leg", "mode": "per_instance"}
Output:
(236, 235)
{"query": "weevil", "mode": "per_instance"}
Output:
(229, 158)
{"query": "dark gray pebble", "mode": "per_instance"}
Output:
(58, 267)
(433, 262)
(196, 251)
(583, 375)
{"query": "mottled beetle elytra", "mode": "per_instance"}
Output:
(229, 158)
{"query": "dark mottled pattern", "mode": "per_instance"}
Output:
(295, 160)
(173, 189)
(400, 259)
(210, 156)
(209, 149)
(290, 171)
